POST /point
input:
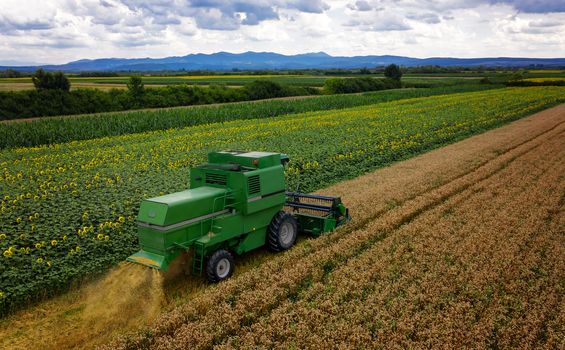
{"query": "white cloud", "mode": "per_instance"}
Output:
(360, 5)
(428, 17)
(59, 31)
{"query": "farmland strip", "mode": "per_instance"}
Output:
(100, 182)
(52, 130)
(249, 307)
(337, 312)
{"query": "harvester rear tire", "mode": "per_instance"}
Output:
(219, 266)
(282, 232)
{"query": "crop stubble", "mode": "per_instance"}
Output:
(446, 278)
(469, 253)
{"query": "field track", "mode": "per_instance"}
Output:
(461, 246)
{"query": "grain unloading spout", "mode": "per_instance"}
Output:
(155, 261)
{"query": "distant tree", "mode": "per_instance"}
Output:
(350, 85)
(485, 80)
(261, 89)
(10, 73)
(517, 75)
(43, 80)
(364, 70)
(393, 71)
(61, 82)
(136, 87)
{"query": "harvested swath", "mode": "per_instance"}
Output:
(243, 311)
(466, 273)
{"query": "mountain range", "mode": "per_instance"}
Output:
(269, 60)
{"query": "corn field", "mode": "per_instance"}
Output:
(51, 130)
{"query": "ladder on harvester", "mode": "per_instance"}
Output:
(198, 258)
(199, 247)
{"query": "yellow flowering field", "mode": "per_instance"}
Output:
(543, 80)
(68, 210)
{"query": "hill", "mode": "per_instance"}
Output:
(269, 60)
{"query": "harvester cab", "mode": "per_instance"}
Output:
(237, 202)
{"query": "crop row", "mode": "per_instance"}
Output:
(69, 210)
(236, 80)
(65, 129)
(453, 275)
(472, 263)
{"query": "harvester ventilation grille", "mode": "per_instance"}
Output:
(253, 184)
(217, 179)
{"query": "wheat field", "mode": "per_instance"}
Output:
(465, 250)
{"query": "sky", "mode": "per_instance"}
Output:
(59, 31)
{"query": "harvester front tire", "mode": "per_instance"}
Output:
(220, 266)
(282, 232)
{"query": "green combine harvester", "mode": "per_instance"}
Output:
(237, 202)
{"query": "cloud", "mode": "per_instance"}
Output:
(545, 24)
(526, 6)
(57, 41)
(360, 5)
(164, 20)
(136, 40)
(151, 28)
(11, 24)
(546, 29)
(217, 20)
(534, 6)
(529, 30)
(256, 14)
(430, 18)
(385, 24)
(106, 3)
(309, 6)
(223, 14)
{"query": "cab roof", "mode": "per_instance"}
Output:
(257, 160)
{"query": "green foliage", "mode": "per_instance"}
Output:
(57, 130)
(10, 73)
(136, 87)
(350, 85)
(46, 102)
(392, 71)
(98, 74)
(27, 103)
(43, 80)
(516, 76)
(485, 80)
(548, 82)
(69, 210)
(261, 89)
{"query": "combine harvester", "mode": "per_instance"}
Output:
(236, 203)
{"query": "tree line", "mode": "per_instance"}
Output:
(53, 94)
